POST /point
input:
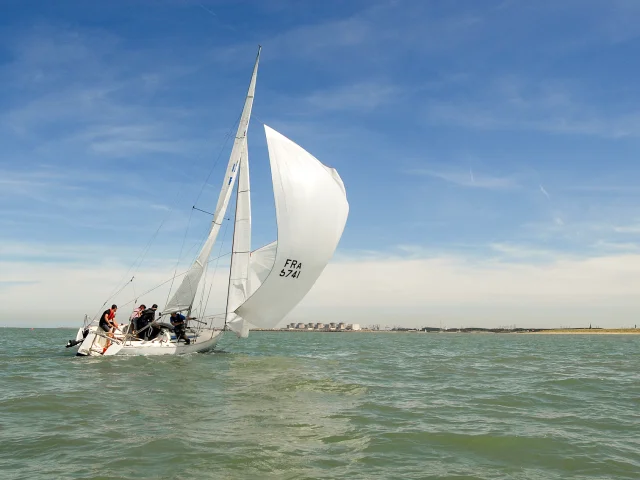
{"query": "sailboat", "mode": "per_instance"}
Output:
(264, 284)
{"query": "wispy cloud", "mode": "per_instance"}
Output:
(361, 97)
(512, 251)
(514, 103)
(105, 108)
(627, 247)
(464, 179)
(544, 192)
(632, 229)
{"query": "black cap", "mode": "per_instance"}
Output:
(114, 306)
(154, 306)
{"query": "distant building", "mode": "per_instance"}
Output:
(301, 326)
(355, 326)
(332, 326)
(320, 326)
(342, 326)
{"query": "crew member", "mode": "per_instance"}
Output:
(107, 320)
(179, 324)
(146, 318)
(108, 324)
(135, 317)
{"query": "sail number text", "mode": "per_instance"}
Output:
(291, 268)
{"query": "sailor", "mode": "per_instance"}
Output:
(107, 320)
(147, 317)
(179, 325)
(108, 324)
(135, 316)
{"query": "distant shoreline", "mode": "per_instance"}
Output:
(534, 331)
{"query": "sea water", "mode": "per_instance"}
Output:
(325, 405)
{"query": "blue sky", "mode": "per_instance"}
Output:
(496, 135)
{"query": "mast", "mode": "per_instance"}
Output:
(184, 296)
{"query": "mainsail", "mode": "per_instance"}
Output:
(311, 211)
(185, 294)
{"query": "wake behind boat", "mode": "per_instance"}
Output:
(265, 284)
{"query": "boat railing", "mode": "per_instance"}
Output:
(111, 339)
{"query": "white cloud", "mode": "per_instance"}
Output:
(466, 179)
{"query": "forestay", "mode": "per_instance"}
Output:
(311, 211)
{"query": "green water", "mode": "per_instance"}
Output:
(314, 405)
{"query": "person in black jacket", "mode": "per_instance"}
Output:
(146, 318)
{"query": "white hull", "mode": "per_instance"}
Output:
(94, 344)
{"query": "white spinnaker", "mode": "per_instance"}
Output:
(184, 296)
(241, 250)
(311, 209)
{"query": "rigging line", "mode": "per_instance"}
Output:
(184, 238)
(138, 261)
(215, 163)
(200, 210)
(228, 136)
(213, 315)
(142, 255)
(133, 285)
(175, 270)
(193, 245)
(255, 117)
(167, 281)
(224, 234)
(115, 294)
